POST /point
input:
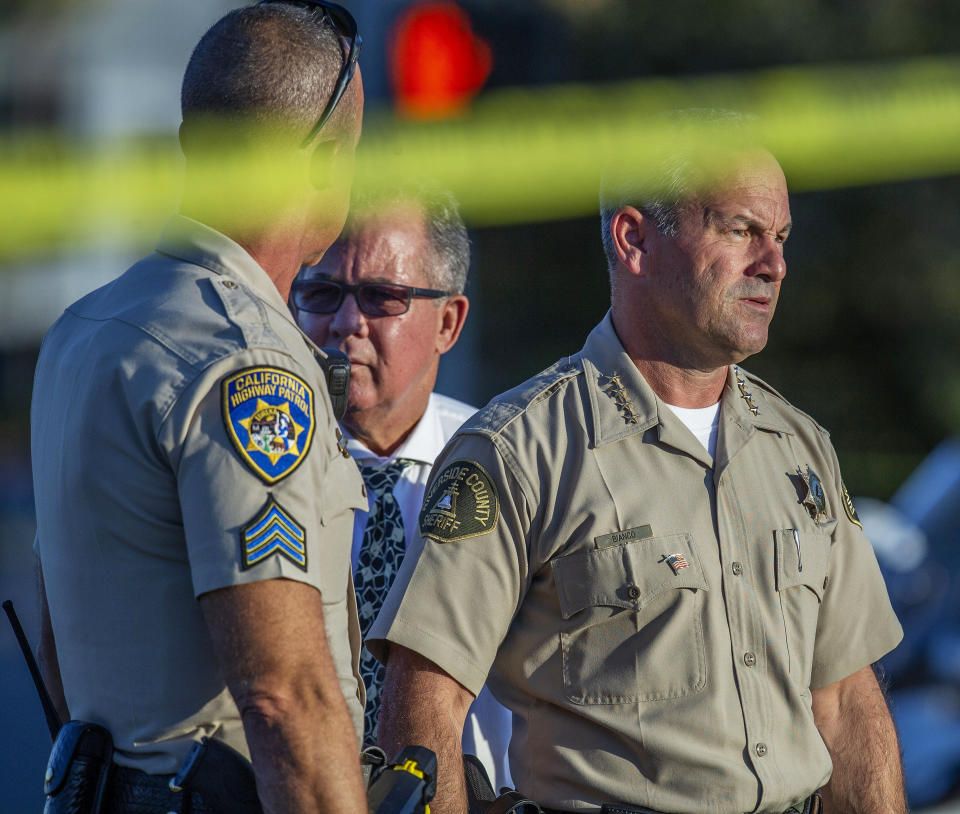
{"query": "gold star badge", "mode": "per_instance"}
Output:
(272, 430)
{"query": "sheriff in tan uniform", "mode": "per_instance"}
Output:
(183, 442)
(671, 621)
(637, 602)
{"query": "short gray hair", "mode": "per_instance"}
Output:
(269, 65)
(446, 231)
(667, 186)
(448, 236)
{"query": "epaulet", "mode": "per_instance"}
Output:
(506, 407)
(756, 380)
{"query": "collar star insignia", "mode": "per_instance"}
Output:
(745, 394)
(613, 387)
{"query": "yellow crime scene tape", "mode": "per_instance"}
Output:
(518, 155)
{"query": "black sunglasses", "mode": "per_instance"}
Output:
(346, 28)
(374, 299)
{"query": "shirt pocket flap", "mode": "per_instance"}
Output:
(628, 575)
(802, 559)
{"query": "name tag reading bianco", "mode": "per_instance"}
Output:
(625, 536)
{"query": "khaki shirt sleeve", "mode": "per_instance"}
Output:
(223, 497)
(462, 580)
(857, 625)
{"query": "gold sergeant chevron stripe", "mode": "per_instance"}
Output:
(519, 156)
(274, 531)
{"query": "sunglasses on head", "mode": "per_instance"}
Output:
(373, 299)
(346, 28)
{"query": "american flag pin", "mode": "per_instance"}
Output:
(676, 562)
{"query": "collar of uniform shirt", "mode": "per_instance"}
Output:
(608, 368)
(768, 416)
(604, 357)
(196, 243)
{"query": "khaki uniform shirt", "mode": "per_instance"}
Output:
(183, 441)
(654, 618)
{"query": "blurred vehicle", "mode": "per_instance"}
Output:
(916, 537)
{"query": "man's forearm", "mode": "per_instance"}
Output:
(423, 706)
(856, 726)
(282, 677)
(305, 756)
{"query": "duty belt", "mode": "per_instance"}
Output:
(214, 779)
(131, 791)
(812, 805)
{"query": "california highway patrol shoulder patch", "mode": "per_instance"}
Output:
(273, 531)
(848, 506)
(462, 502)
(269, 414)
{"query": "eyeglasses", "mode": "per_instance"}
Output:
(374, 299)
(346, 28)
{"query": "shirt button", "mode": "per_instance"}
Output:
(737, 569)
(633, 592)
(229, 284)
(761, 749)
(749, 659)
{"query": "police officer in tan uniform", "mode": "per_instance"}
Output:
(648, 553)
(194, 506)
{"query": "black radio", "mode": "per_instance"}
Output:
(336, 369)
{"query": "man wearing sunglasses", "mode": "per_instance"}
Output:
(194, 508)
(389, 294)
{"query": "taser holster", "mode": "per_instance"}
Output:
(481, 798)
(78, 769)
(405, 786)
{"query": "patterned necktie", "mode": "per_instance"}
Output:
(379, 559)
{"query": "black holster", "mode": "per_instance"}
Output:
(406, 785)
(481, 798)
(78, 769)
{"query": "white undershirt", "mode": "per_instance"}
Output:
(703, 422)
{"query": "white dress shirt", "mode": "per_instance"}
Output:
(486, 731)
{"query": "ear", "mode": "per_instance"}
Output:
(453, 313)
(630, 230)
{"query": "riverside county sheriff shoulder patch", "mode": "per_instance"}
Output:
(269, 417)
(462, 503)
